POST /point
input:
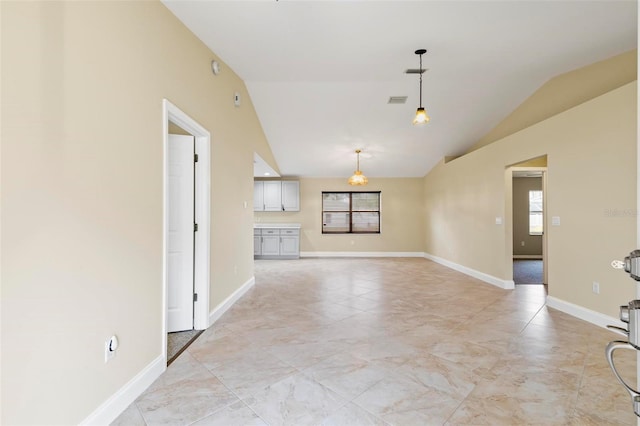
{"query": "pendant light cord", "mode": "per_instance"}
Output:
(421, 80)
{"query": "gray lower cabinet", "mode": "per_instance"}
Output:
(257, 242)
(276, 243)
(270, 242)
(290, 242)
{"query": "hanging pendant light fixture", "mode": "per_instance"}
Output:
(421, 115)
(358, 178)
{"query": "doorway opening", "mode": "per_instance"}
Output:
(527, 245)
(186, 230)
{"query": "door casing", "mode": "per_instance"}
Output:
(509, 220)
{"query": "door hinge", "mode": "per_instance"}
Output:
(195, 227)
(195, 158)
(195, 297)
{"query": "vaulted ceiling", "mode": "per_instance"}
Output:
(320, 73)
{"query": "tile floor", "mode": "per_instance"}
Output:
(388, 342)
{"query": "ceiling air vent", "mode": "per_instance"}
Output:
(416, 71)
(397, 100)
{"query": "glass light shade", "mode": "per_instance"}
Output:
(421, 116)
(358, 179)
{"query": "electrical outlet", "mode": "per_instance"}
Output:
(596, 287)
(522, 243)
(110, 346)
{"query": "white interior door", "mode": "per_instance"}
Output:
(181, 233)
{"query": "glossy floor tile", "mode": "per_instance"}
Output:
(389, 342)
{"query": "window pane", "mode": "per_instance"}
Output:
(535, 213)
(335, 222)
(365, 201)
(335, 201)
(535, 223)
(366, 222)
(535, 201)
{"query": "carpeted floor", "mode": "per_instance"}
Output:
(526, 271)
(179, 341)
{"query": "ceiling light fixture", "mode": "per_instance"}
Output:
(358, 178)
(421, 115)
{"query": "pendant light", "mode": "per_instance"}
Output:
(358, 178)
(421, 115)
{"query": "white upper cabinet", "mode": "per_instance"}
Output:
(291, 195)
(258, 196)
(272, 196)
(276, 196)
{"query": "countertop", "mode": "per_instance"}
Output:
(260, 225)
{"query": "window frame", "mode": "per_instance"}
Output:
(351, 211)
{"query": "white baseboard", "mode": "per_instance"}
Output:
(528, 256)
(119, 401)
(361, 254)
(223, 307)
(498, 282)
(583, 313)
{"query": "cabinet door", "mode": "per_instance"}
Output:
(257, 245)
(258, 196)
(272, 196)
(270, 245)
(291, 195)
(290, 245)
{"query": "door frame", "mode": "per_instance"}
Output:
(509, 219)
(202, 238)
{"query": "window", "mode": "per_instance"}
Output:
(535, 213)
(351, 212)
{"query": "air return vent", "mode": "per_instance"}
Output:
(416, 71)
(397, 100)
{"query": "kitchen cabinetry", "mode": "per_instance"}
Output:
(276, 196)
(290, 195)
(276, 241)
(258, 196)
(257, 242)
(272, 192)
(290, 242)
(270, 242)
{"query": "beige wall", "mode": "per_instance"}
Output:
(174, 129)
(591, 152)
(402, 216)
(566, 91)
(532, 243)
(534, 162)
(82, 198)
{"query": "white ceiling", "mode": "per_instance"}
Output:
(320, 73)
